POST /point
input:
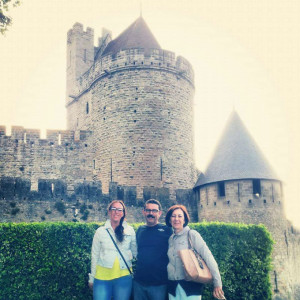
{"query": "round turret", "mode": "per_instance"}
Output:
(137, 101)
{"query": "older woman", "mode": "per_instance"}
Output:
(109, 275)
(180, 289)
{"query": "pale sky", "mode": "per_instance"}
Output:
(245, 55)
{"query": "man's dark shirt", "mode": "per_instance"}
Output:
(152, 258)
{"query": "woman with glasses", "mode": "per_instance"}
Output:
(178, 218)
(110, 276)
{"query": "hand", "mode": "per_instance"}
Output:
(91, 285)
(218, 293)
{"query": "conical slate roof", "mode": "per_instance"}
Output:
(137, 35)
(236, 157)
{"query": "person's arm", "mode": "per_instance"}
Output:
(94, 256)
(133, 246)
(201, 247)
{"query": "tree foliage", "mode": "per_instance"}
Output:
(5, 19)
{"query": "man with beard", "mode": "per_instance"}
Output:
(150, 279)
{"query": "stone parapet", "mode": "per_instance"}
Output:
(130, 59)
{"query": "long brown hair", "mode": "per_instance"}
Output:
(119, 231)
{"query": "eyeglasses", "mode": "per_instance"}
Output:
(116, 209)
(154, 211)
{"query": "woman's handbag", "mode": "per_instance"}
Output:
(119, 251)
(194, 266)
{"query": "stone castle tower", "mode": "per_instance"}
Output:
(136, 99)
(240, 186)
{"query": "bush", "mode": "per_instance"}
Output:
(60, 206)
(15, 210)
(243, 253)
(85, 215)
(52, 260)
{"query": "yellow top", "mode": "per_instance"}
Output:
(103, 273)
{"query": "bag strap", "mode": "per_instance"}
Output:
(119, 250)
(190, 244)
(194, 250)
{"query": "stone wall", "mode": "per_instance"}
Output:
(18, 203)
(240, 205)
(63, 155)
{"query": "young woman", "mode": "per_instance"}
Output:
(109, 275)
(178, 218)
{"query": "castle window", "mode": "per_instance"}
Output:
(256, 186)
(134, 111)
(87, 108)
(265, 201)
(84, 55)
(215, 203)
(250, 201)
(94, 164)
(228, 202)
(221, 188)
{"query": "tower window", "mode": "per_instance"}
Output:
(221, 188)
(256, 186)
(87, 108)
(84, 55)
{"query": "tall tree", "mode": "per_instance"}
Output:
(5, 19)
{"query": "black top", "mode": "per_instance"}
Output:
(152, 259)
(191, 288)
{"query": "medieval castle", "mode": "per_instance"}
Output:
(130, 136)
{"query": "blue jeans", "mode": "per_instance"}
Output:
(151, 292)
(119, 288)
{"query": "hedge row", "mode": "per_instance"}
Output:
(52, 260)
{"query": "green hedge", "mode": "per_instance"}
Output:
(51, 260)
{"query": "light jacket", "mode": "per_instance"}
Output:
(178, 242)
(104, 251)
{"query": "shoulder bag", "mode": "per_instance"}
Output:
(119, 251)
(194, 266)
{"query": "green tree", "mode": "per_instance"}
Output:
(5, 19)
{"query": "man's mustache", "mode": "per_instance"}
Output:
(150, 216)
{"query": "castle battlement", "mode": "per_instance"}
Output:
(77, 30)
(21, 135)
(134, 59)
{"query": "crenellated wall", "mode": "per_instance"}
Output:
(16, 193)
(63, 155)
